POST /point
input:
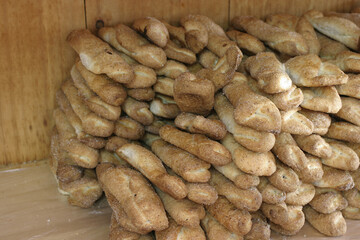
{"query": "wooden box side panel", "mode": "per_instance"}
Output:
(262, 8)
(112, 12)
(34, 60)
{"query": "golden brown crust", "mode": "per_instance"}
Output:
(111, 92)
(113, 158)
(196, 144)
(135, 195)
(194, 95)
(284, 178)
(260, 229)
(295, 24)
(196, 35)
(129, 42)
(269, 72)
(82, 192)
(233, 219)
(92, 123)
(301, 196)
(220, 45)
(172, 69)
(156, 125)
(249, 199)
(353, 197)
(139, 111)
(330, 48)
(183, 211)
(295, 123)
(74, 120)
(252, 139)
(289, 218)
(128, 128)
(335, 178)
(310, 71)
(95, 103)
(347, 61)
(356, 174)
(270, 194)
(342, 157)
(214, 129)
(117, 232)
(337, 28)
(351, 88)
(314, 144)
(81, 154)
(287, 100)
(153, 29)
(351, 213)
(313, 170)
(122, 219)
(178, 232)
(322, 99)
(353, 16)
(114, 143)
(350, 110)
(164, 85)
(176, 33)
(210, 25)
(164, 106)
(344, 131)
(328, 200)
(214, 230)
(251, 109)
(241, 180)
(289, 153)
(98, 57)
(221, 73)
(332, 224)
(175, 52)
(246, 41)
(287, 42)
(141, 94)
(259, 164)
(144, 77)
(201, 193)
(188, 166)
(149, 165)
(320, 120)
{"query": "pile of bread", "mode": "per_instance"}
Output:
(192, 132)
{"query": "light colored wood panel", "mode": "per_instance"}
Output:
(32, 208)
(34, 60)
(112, 12)
(262, 8)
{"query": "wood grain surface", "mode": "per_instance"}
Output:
(262, 8)
(34, 60)
(113, 11)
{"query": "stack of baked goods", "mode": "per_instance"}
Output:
(192, 132)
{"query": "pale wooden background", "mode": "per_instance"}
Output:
(35, 59)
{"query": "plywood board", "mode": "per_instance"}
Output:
(113, 11)
(34, 60)
(32, 208)
(262, 8)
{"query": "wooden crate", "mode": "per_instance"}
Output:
(35, 58)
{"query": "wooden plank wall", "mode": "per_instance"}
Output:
(35, 59)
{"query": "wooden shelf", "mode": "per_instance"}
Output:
(32, 208)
